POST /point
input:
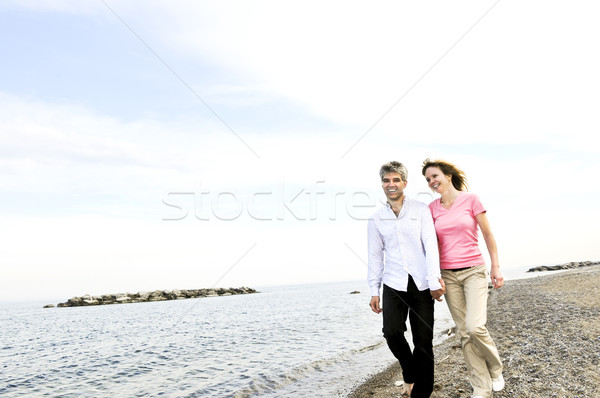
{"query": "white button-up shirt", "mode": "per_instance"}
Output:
(403, 245)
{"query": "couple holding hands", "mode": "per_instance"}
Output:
(419, 253)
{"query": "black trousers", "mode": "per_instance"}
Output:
(417, 365)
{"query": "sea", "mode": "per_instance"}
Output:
(317, 340)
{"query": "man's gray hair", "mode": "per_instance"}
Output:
(394, 167)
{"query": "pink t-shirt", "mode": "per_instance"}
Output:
(457, 231)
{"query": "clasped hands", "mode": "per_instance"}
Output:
(437, 294)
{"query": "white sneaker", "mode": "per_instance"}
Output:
(498, 384)
(476, 396)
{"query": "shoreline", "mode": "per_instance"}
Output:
(547, 330)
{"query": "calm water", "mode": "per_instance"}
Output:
(310, 340)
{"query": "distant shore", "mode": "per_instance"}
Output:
(547, 330)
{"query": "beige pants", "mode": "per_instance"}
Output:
(466, 295)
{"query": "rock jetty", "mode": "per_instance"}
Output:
(157, 295)
(558, 267)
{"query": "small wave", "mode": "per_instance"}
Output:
(270, 384)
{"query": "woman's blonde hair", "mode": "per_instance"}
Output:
(459, 179)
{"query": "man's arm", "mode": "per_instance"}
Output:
(375, 261)
(432, 256)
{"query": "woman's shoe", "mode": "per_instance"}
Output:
(498, 383)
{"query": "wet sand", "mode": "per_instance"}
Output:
(547, 330)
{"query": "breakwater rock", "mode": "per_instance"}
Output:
(558, 267)
(157, 295)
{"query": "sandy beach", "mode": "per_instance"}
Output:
(547, 330)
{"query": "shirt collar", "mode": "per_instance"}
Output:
(404, 204)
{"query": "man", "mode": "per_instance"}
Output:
(403, 255)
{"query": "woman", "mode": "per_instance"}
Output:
(456, 215)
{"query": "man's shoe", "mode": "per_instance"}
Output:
(498, 384)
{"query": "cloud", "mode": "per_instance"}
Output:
(405, 70)
(61, 6)
(345, 62)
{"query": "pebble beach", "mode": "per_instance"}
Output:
(547, 330)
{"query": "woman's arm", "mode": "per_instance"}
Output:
(490, 241)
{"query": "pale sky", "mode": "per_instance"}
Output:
(187, 144)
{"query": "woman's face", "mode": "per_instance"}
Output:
(437, 181)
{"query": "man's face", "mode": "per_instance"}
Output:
(393, 186)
